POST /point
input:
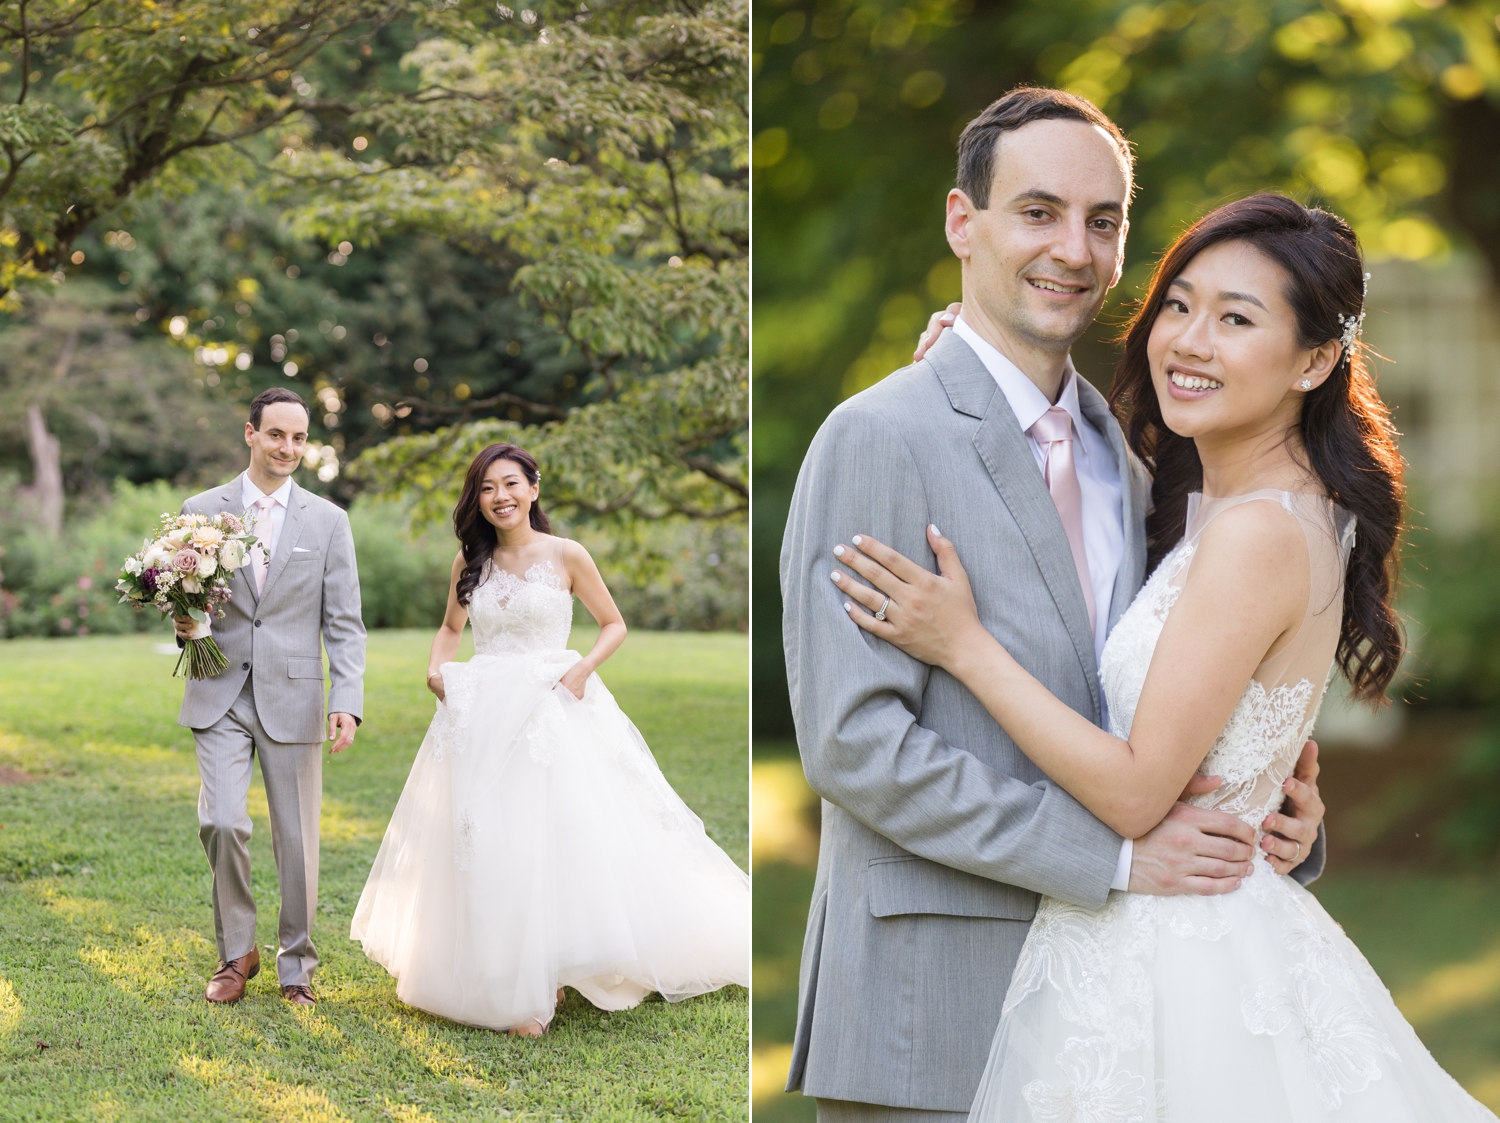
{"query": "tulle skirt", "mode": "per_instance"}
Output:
(537, 845)
(1252, 1006)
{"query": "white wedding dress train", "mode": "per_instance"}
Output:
(537, 844)
(1243, 1008)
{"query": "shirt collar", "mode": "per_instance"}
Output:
(253, 495)
(1026, 401)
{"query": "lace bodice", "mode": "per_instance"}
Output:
(1259, 745)
(514, 614)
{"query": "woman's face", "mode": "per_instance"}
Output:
(1224, 353)
(505, 496)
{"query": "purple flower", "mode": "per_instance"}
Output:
(148, 580)
(185, 560)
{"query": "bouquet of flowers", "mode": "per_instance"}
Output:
(184, 570)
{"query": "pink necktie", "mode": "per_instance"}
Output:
(1054, 432)
(260, 553)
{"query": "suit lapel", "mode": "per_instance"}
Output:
(1008, 458)
(295, 510)
(1134, 489)
(233, 500)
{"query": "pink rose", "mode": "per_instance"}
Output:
(185, 560)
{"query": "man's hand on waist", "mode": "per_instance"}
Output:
(1193, 850)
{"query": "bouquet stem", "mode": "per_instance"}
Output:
(202, 658)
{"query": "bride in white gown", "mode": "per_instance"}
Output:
(537, 844)
(1277, 495)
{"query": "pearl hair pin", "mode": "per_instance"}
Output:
(1353, 325)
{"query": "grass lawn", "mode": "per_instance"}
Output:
(1432, 934)
(106, 932)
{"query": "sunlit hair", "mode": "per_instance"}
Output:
(271, 397)
(1345, 428)
(476, 534)
(1020, 107)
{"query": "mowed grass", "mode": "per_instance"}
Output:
(106, 931)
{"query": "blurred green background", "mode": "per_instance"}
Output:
(1386, 111)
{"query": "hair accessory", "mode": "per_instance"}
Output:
(1353, 325)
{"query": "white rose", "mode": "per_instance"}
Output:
(190, 585)
(158, 555)
(180, 536)
(232, 554)
(133, 566)
(206, 565)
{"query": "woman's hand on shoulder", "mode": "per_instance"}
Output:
(923, 613)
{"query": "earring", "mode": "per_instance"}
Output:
(1307, 384)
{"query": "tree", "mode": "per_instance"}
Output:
(102, 97)
(597, 159)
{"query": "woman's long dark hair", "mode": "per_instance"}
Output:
(476, 533)
(1345, 428)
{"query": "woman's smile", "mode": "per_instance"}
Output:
(1187, 384)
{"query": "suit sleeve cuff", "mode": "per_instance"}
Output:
(1122, 866)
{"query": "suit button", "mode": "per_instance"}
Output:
(257, 623)
(245, 666)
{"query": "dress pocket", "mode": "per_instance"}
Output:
(905, 885)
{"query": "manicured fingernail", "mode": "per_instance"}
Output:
(836, 576)
(856, 539)
(936, 533)
(848, 607)
(838, 551)
(947, 317)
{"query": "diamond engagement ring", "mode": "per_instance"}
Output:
(880, 612)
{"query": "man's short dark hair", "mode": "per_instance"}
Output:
(1022, 106)
(271, 397)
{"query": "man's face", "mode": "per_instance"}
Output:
(1040, 258)
(276, 448)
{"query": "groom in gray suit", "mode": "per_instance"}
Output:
(937, 833)
(301, 586)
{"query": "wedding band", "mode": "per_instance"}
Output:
(880, 613)
(1298, 854)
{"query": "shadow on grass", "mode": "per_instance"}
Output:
(107, 932)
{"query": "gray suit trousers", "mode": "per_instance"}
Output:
(848, 1111)
(293, 775)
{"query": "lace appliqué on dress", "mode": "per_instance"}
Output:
(464, 830)
(1095, 1090)
(1339, 1038)
(521, 614)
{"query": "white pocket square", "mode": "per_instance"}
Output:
(300, 550)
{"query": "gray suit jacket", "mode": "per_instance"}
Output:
(312, 591)
(938, 833)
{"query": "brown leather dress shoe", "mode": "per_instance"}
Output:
(228, 982)
(298, 995)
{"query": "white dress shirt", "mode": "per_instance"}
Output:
(1098, 480)
(250, 495)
